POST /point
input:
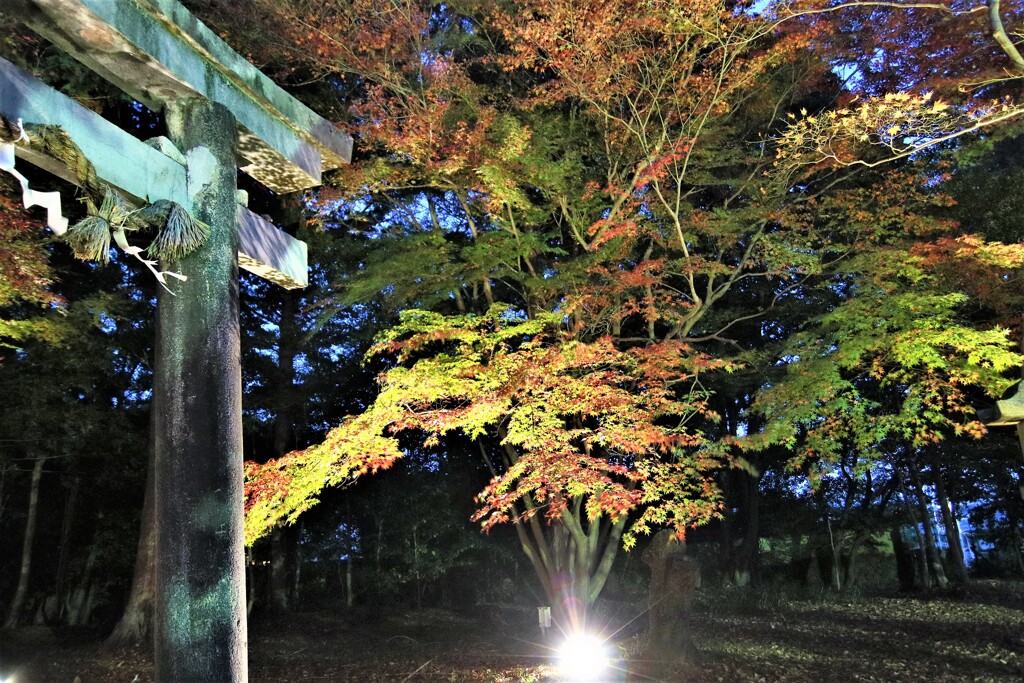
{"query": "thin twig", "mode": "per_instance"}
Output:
(417, 670)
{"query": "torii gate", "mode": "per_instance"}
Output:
(218, 107)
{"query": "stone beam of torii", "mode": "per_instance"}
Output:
(1008, 413)
(218, 107)
(143, 172)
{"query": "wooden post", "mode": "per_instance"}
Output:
(200, 620)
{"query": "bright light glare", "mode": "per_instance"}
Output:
(583, 658)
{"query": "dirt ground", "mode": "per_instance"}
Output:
(739, 636)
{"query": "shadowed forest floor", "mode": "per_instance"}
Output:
(741, 636)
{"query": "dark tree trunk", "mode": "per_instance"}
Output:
(280, 583)
(200, 627)
(1016, 539)
(297, 573)
(136, 624)
(835, 556)
(919, 557)
(281, 541)
(674, 579)
(1020, 429)
(18, 602)
(4, 469)
(956, 551)
(740, 526)
(349, 594)
(726, 527)
(70, 513)
(905, 565)
(250, 582)
(80, 602)
(851, 565)
(938, 573)
(746, 554)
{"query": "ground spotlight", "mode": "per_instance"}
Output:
(584, 657)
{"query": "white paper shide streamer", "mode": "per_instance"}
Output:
(50, 201)
(55, 219)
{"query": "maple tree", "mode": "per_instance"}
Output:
(629, 257)
(582, 209)
(25, 278)
(937, 83)
(921, 74)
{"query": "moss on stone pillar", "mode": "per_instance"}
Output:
(200, 619)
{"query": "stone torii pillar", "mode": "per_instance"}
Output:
(217, 106)
(200, 626)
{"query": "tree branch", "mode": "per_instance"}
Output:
(999, 34)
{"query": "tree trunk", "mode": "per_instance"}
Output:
(70, 513)
(726, 527)
(740, 525)
(744, 491)
(956, 551)
(136, 624)
(79, 603)
(1020, 428)
(287, 350)
(18, 602)
(674, 579)
(572, 557)
(920, 558)
(4, 469)
(1017, 542)
(938, 573)
(747, 553)
(905, 565)
(851, 565)
(380, 545)
(297, 566)
(280, 586)
(835, 556)
(200, 626)
(417, 578)
(349, 597)
(572, 562)
(250, 582)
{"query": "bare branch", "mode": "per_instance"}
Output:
(999, 34)
(880, 3)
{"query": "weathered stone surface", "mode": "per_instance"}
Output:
(1009, 411)
(157, 52)
(167, 148)
(200, 630)
(271, 253)
(150, 171)
(119, 159)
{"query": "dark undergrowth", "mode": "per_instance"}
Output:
(974, 635)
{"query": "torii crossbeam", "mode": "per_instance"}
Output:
(218, 107)
(1008, 412)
